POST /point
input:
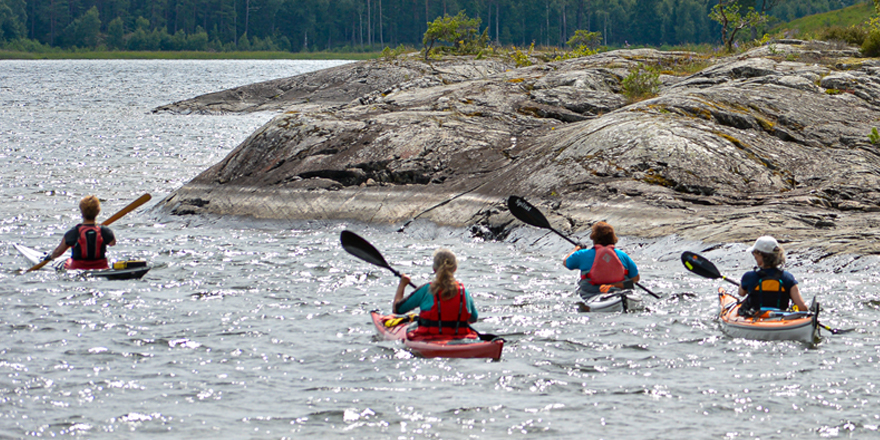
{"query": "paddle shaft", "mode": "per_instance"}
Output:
(131, 207)
(529, 214)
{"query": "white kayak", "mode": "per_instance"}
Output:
(768, 325)
(620, 301)
(119, 270)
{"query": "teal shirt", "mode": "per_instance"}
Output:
(422, 299)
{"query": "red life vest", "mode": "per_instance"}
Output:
(88, 252)
(607, 268)
(447, 319)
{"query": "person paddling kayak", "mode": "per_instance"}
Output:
(88, 239)
(769, 286)
(602, 264)
(446, 307)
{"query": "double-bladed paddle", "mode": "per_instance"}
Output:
(706, 269)
(528, 214)
(131, 207)
(357, 246)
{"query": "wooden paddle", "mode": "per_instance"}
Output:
(357, 246)
(527, 213)
(131, 207)
(706, 269)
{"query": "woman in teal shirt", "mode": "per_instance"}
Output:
(446, 307)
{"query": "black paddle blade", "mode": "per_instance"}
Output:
(357, 246)
(699, 265)
(526, 213)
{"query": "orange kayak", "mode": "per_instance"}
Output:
(395, 327)
(768, 325)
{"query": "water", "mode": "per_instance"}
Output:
(257, 329)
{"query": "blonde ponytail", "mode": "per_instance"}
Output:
(445, 265)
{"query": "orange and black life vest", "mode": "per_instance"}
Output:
(769, 292)
(447, 317)
(607, 267)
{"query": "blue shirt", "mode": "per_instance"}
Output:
(583, 260)
(423, 299)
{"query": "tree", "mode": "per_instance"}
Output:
(460, 31)
(584, 38)
(116, 34)
(12, 20)
(726, 13)
(83, 31)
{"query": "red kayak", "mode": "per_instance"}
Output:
(395, 327)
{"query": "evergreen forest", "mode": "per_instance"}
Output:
(362, 25)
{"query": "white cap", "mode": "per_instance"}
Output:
(765, 244)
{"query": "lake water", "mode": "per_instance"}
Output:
(251, 329)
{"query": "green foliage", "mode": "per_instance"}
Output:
(197, 41)
(816, 23)
(641, 83)
(871, 45)
(581, 51)
(116, 34)
(582, 38)
(347, 25)
(391, 54)
(460, 31)
(727, 14)
(854, 34)
(522, 59)
(84, 31)
(12, 20)
(874, 137)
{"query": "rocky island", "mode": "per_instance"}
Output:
(777, 140)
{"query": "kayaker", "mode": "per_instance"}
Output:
(88, 239)
(602, 264)
(768, 285)
(446, 307)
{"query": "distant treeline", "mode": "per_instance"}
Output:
(360, 25)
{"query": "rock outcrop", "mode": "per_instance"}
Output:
(773, 141)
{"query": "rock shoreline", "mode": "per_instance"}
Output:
(773, 141)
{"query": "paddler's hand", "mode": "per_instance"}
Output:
(404, 279)
(47, 257)
(398, 295)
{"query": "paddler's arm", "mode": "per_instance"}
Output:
(798, 299)
(622, 284)
(59, 251)
(401, 288)
(565, 260)
(112, 241)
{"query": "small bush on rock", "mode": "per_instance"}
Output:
(641, 83)
(871, 46)
(854, 35)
